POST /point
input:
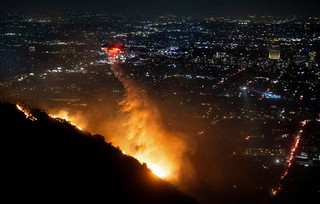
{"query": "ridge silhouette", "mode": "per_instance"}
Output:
(50, 160)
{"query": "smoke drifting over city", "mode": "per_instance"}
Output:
(225, 107)
(142, 134)
(138, 130)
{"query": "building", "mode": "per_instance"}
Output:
(32, 48)
(274, 53)
(309, 156)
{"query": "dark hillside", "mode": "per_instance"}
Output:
(46, 160)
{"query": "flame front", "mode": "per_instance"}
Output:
(157, 170)
(65, 116)
(26, 113)
(138, 129)
(145, 137)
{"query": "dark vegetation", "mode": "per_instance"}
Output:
(302, 185)
(49, 160)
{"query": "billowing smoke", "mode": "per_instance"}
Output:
(139, 131)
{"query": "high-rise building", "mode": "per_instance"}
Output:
(274, 52)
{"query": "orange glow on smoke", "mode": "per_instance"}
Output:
(63, 115)
(141, 133)
(143, 136)
(161, 167)
(112, 51)
(138, 129)
(157, 170)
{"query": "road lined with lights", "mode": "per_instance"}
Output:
(292, 154)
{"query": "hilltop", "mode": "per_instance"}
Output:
(50, 160)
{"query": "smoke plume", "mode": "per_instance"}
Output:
(140, 132)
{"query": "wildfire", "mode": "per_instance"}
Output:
(157, 170)
(113, 54)
(112, 51)
(143, 136)
(145, 140)
(115, 50)
(140, 136)
(138, 128)
(143, 158)
(26, 113)
(63, 115)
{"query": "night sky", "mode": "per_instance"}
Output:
(176, 7)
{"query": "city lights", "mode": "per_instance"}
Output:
(208, 103)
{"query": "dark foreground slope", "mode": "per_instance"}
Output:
(47, 160)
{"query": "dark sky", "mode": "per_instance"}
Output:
(178, 7)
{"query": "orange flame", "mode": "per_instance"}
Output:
(26, 113)
(64, 115)
(112, 51)
(142, 134)
(138, 130)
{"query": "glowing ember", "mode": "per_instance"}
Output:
(26, 113)
(274, 192)
(20, 108)
(64, 116)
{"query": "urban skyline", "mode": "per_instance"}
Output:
(226, 108)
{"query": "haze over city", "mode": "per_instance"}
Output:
(218, 98)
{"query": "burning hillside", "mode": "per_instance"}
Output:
(56, 160)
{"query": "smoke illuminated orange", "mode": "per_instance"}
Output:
(112, 51)
(142, 134)
(138, 129)
(145, 138)
(65, 116)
